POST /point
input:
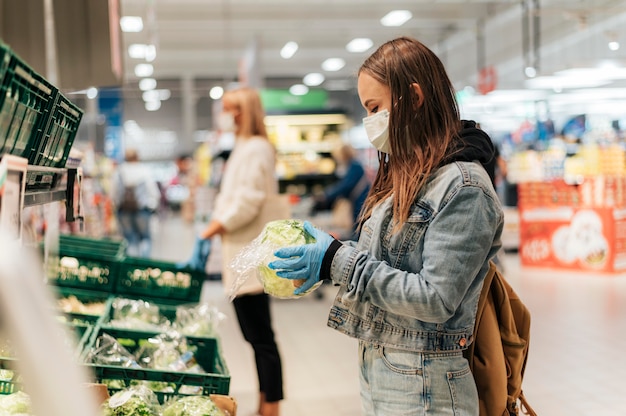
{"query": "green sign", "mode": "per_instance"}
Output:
(274, 99)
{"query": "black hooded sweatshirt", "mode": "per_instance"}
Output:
(473, 144)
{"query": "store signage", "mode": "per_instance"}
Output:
(283, 100)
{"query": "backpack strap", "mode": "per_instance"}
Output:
(525, 407)
(482, 301)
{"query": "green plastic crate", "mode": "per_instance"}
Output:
(7, 387)
(215, 380)
(81, 270)
(107, 246)
(159, 281)
(165, 311)
(59, 133)
(26, 102)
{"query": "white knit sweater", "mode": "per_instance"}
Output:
(249, 178)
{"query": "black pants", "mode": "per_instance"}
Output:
(253, 313)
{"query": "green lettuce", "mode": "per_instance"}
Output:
(277, 234)
(193, 406)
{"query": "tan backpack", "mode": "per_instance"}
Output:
(499, 352)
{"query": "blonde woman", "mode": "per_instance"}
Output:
(249, 182)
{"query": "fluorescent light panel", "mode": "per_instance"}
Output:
(131, 24)
(144, 70)
(299, 89)
(313, 79)
(396, 18)
(357, 45)
(289, 50)
(333, 64)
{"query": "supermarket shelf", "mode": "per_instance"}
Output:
(43, 197)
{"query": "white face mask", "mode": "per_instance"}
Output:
(226, 122)
(377, 129)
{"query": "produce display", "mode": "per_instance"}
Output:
(254, 258)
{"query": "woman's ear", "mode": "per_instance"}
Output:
(418, 94)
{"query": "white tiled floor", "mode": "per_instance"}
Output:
(576, 366)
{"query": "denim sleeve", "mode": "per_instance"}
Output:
(457, 244)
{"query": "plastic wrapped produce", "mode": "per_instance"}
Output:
(137, 314)
(134, 401)
(107, 351)
(260, 252)
(199, 320)
(193, 406)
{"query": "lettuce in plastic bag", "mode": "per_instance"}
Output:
(258, 254)
(134, 401)
(193, 406)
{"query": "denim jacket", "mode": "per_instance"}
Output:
(418, 289)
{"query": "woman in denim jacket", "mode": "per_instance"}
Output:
(409, 287)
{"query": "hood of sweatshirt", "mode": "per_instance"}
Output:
(473, 144)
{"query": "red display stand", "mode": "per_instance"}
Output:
(571, 227)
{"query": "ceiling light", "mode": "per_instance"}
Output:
(92, 93)
(164, 94)
(216, 93)
(299, 89)
(313, 79)
(333, 64)
(147, 84)
(150, 53)
(396, 18)
(152, 105)
(357, 45)
(614, 45)
(150, 95)
(144, 70)
(289, 50)
(560, 82)
(530, 72)
(137, 51)
(131, 24)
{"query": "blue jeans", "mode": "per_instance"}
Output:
(399, 382)
(135, 227)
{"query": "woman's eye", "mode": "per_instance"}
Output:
(374, 110)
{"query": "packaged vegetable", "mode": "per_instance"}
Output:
(134, 401)
(255, 257)
(193, 406)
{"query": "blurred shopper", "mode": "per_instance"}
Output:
(244, 204)
(136, 196)
(353, 185)
(410, 285)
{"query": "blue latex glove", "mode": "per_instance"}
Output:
(305, 261)
(199, 256)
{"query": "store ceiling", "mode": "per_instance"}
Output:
(208, 39)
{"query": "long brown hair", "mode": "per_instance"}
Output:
(420, 133)
(251, 120)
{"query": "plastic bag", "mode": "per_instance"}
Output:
(192, 406)
(137, 314)
(107, 351)
(134, 401)
(254, 258)
(199, 320)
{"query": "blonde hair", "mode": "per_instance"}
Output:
(251, 120)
